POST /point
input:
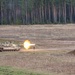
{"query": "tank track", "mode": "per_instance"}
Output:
(2, 50)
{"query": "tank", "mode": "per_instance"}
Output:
(9, 46)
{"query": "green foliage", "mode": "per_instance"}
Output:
(26, 11)
(18, 21)
(12, 71)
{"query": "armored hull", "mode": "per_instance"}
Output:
(9, 47)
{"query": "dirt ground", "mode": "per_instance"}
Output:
(54, 53)
(44, 36)
(50, 62)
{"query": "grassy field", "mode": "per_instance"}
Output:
(50, 62)
(54, 53)
(11, 71)
(44, 36)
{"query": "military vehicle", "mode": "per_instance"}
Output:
(9, 46)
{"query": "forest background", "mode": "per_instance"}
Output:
(24, 12)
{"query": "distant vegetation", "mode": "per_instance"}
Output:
(12, 71)
(37, 11)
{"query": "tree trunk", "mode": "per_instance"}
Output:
(64, 12)
(71, 12)
(74, 14)
(59, 13)
(0, 12)
(42, 14)
(54, 14)
(49, 13)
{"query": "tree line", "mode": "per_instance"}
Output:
(37, 11)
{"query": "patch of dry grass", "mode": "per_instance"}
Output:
(58, 62)
(48, 62)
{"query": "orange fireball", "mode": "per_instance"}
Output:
(27, 44)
